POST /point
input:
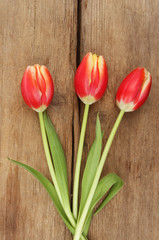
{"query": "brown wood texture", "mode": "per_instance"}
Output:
(41, 32)
(126, 33)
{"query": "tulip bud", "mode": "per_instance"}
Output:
(91, 78)
(37, 87)
(134, 90)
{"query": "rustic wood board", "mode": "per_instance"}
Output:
(127, 34)
(41, 32)
(45, 32)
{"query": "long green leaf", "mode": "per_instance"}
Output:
(59, 159)
(87, 224)
(111, 183)
(91, 165)
(51, 191)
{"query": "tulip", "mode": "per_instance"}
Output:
(131, 94)
(91, 78)
(37, 87)
(90, 83)
(134, 90)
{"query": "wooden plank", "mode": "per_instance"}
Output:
(32, 32)
(127, 34)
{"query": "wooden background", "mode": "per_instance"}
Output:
(58, 34)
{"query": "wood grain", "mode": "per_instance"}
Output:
(127, 34)
(51, 33)
(32, 32)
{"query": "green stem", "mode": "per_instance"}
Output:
(52, 172)
(82, 219)
(78, 161)
(48, 156)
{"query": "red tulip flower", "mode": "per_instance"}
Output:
(91, 78)
(134, 90)
(37, 87)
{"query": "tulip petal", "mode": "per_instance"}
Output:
(49, 87)
(83, 76)
(134, 90)
(37, 87)
(30, 88)
(94, 78)
(23, 89)
(131, 86)
(91, 78)
(41, 84)
(103, 76)
(146, 87)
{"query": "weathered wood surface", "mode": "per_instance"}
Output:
(127, 34)
(45, 32)
(41, 32)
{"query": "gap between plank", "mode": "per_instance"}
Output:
(77, 63)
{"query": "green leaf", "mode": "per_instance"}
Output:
(91, 165)
(58, 158)
(111, 183)
(51, 191)
(87, 224)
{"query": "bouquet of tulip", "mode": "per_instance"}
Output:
(90, 83)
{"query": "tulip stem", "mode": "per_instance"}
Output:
(48, 156)
(78, 161)
(81, 221)
(52, 172)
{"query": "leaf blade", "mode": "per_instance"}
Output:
(91, 165)
(50, 189)
(116, 184)
(105, 184)
(58, 158)
(87, 224)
